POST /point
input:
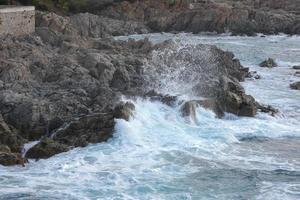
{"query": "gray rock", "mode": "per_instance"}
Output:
(45, 149)
(124, 111)
(94, 128)
(269, 63)
(295, 86)
(9, 159)
(296, 67)
(188, 109)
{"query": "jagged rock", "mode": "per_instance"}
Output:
(253, 75)
(166, 99)
(9, 159)
(297, 74)
(10, 137)
(296, 67)
(240, 18)
(269, 63)
(188, 109)
(46, 148)
(124, 111)
(267, 109)
(68, 89)
(212, 105)
(95, 128)
(4, 149)
(295, 86)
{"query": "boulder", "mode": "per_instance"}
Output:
(124, 111)
(295, 86)
(93, 128)
(253, 75)
(297, 73)
(10, 137)
(188, 109)
(269, 63)
(46, 148)
(9, 159)
(296, 67)
(4, 149)
(211, 104)
(267, 109)
(166, 99)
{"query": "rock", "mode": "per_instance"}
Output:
(124, 111)
(63, 82)
(10, 137)
(239, 18)
(267, 109)
(9, 159)
(295, 86)
(296, 67)
(95, 128)
(297, 74)
(212, 105)
(253, 75)
(4, 149)
(269, 63)
(166, 99)
(188, 109)
(46, 148)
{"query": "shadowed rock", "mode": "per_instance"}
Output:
(188, 109)
(124, 111)
(95, 128)
(8, 159)
(45, 149)
(296, 67)
(295, 86)
(269, 63)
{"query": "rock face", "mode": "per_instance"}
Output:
(296, 67)
(204, 71)
(236, 16)
(188, 109)
(65, 83)
(269, 63)
(94, 128)
(295, 86)
(7, 158)
(45, 149)
(124, 111)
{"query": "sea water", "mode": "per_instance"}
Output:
(160, 155)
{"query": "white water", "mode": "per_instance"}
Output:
(160, 155)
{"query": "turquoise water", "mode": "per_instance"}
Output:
(160, 155)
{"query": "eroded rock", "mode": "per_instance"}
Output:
(124, 111)
(295, 86)
(46, 148)
(269, 63)
(93, 128)
(296, 67)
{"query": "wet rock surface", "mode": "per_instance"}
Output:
(269, 63)
(64, 83)
(124, 111)
(8, 158)
(295, 86)
(296, 67)
(239, 17)
(45, 149)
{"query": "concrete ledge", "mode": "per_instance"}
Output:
(8, 9)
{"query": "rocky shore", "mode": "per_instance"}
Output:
(241, 17)
(63, 85)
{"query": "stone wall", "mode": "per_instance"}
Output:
(17, 20)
